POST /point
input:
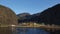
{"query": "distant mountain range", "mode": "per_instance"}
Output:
(48, 16)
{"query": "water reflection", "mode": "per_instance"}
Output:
(31, 31)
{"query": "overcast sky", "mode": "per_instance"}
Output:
(29, 6)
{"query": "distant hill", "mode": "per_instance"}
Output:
(48, 16)
(23, 17)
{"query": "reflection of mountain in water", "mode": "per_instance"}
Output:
(31, 31)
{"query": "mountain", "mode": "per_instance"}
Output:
(48, 16)
(51, 15)
(23, 17)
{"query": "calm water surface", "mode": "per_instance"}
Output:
(31, 31)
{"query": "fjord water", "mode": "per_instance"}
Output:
(31, 31)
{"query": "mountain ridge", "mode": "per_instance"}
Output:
(48, 16)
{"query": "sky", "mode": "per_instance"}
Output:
(29, 6)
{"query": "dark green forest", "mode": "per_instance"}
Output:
(48, 16)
